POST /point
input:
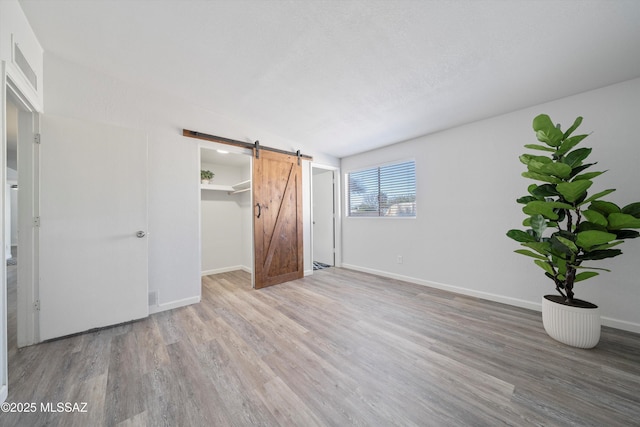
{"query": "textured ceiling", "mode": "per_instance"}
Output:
(344, 77)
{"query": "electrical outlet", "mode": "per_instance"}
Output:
(399, 259)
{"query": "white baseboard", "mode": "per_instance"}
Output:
(226, 269)
(308, 273)
(173, 304)
(606, 321)
(621, 324)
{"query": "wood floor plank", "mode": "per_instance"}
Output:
(339, 348)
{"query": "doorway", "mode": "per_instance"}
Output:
(226, 233)
(323, 217)
(21, 174)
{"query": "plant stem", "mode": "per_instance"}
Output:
(569, 219)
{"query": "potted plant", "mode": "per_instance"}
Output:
(206, 176)
(568, 229)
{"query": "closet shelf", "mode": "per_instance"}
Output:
(216, 187)
(241, 187)
(231, 189)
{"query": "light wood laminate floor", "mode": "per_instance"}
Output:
(337, 348)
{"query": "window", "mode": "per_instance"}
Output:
(388, 191)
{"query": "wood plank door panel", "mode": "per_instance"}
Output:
(277, 201)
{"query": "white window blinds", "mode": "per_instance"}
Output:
(388, 191)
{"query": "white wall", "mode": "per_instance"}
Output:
(174, 261)
(467, 181)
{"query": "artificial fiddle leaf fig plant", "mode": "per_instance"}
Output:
(568, 228)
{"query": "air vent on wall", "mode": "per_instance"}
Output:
(24, 66)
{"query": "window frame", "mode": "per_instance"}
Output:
(347, 193)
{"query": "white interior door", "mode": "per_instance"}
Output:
(323, 216)
(93, 266)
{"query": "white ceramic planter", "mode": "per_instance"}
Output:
(574, 326)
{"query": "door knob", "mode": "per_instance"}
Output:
(140, 234)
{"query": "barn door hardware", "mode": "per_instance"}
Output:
(255, 146)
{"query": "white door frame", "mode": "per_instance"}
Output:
(4, 365)
(234, 151)
(28, 211)
(337, 209)
(27, 240)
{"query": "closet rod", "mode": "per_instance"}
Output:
(236, 143)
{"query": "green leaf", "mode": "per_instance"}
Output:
(587, 267)
(553, 137)
(521, 236)
(586, 225)
(595, 217)
(529, 158)
(539, 147)
(597, 196)
(567, 243)
(587, 175)
(590, 238)
(605, 208)
(632, 209)
(580, 168)
(607, 246)
(529, 253)
(544, 265)
(618, 221)
(576, 157)
(545, 190)
(542, 122)
(573, 127)
(546, 209)
(598, 255)
(526, 199)
(546, 132)
(561, 266)
(585, 275)
(541, 177)
(559, 249)
(626, 234)
(569, 143)
(572, 191)
(543, 248)
(560, 170)
(538, 224)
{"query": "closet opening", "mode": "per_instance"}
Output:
(226, 215)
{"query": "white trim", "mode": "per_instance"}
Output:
(4, 354)
(308, 273)
(226, 269)
(606, 321)
(337, 199)
(174, 304)
(621, 324)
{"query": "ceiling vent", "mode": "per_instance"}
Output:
(24, 66)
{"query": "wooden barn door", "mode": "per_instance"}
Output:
(277, 219)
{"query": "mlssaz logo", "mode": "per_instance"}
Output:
(63, 407)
